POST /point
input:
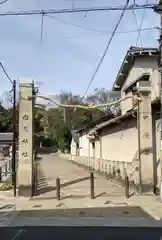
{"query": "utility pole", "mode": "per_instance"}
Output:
(65, 113)
(158, 9)
(14, 140)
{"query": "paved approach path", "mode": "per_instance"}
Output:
(52, 166)
(75, 208)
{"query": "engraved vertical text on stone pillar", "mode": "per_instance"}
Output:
(145, 135)
(24, 174)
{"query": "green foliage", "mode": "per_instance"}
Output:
(6, 119)
(53, 127)
(63, 137)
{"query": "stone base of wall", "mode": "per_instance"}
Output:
(110, 169)
(65, 155)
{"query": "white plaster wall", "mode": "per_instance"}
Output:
(119, 145)
(84, 145)
(73, 147)
(142, 65)
(127, 104)
(90, 150)
(97, 149)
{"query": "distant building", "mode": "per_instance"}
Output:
(6, 138)
(5, 142)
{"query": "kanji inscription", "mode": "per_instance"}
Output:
(26, 128)
(25, 154)
(146, 135)
(145, 117)
(25, 117)
(25, 141)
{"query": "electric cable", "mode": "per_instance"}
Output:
(105, 51)
(5, 72)
(77, 10)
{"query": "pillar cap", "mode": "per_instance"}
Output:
(26, 83)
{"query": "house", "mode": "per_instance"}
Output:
(6, 138)
(113, 145)
(80, 144)
(5, 142)
(139, 64)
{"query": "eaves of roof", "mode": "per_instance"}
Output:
(95, 122)
(128, 61)
(117, 120)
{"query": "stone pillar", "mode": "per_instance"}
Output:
(145, 134)
(24, 175)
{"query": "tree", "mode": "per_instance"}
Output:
(101, 95)
(50, 127)
(60, 131)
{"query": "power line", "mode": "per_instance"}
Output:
(117, 32)
(77, 10)
(107, 47)
(3, 2)
(41, 31)
(96, 30)
(5, 72)
(140, 27)
(74, 25)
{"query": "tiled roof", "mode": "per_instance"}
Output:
(96, 122)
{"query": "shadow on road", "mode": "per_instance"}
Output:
(46, 150)
(90, 232)
(61, 210)
(44, 188)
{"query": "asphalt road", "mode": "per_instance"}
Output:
(79, 233)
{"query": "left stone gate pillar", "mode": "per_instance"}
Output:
(24, 175)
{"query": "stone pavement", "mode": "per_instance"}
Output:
(112, 211)
(110, 207)
(9, 209)
(52, 166)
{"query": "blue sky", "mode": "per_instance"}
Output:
(69, 55)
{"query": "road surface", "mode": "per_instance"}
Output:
(95, 233)
(76, 179)
(75, 208)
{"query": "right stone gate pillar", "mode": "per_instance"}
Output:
(145, 136)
